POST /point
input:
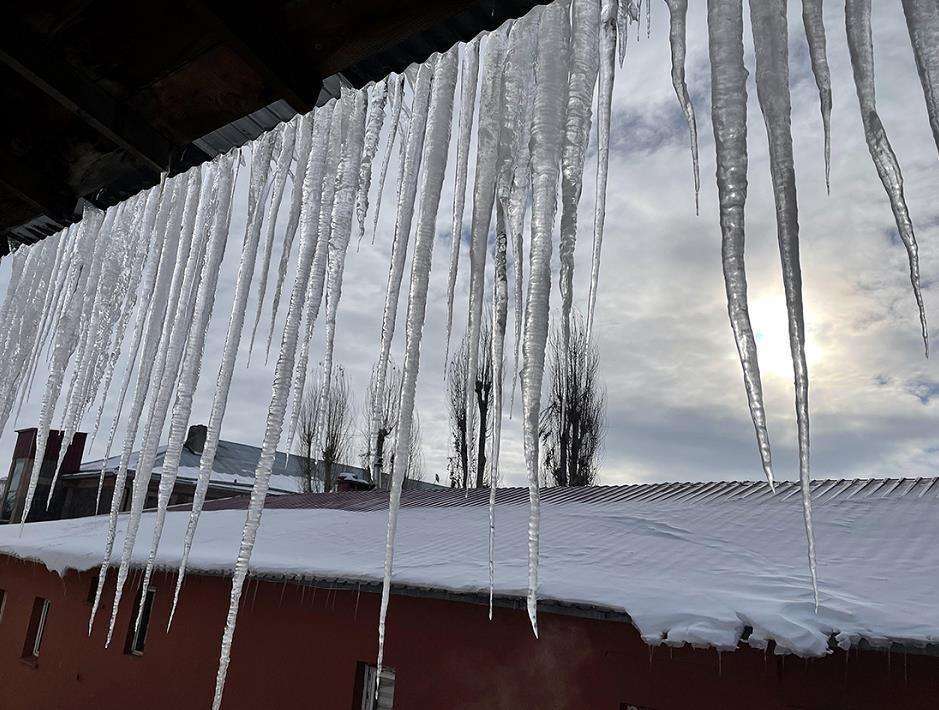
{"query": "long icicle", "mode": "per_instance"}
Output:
(176, 327)
(813, 19)
(500, 304)
(378, 96)
(484, 192)
(551, 69)
(858, 22)
(404, 215)
(729, 119)
(346, 181)
(260, 168)
(678, 17)
(435, 163)
(302, 144)
(469, 78)
(585, 28)
(324, 163)
(396, 103)
(287, 133)
(770, 38)
(66, 340)
(608, 10)
(215, 220)
(922, 21)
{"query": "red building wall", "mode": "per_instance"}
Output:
(298, 648)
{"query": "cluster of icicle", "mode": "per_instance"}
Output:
(140, 278)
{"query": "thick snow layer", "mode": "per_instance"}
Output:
(685, 572)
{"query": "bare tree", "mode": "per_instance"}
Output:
(386, 402)
(337, 417)
(572, 423)
(468, 454)
(456, 409)
(326, 416)
(415, 470)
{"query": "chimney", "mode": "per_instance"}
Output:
(195, 439)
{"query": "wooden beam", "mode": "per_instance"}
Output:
(94, 106)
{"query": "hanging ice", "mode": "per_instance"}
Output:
(814, 20)
(858, 21)
(604, 105)
(260, 169)
(302, 143)
(770, 38)
(487, 146)
(551, 76)
(403, 216)
(376, 117)
(500, 301)
(285, 136)
(922, 20)
(435, 162)
(346, 184)
(469, 78)
(585, 19)
(216, 219)
(328, 143)
(729, 119)
(397, 99)
(678, 12)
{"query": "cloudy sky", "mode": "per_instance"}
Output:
(676, 403)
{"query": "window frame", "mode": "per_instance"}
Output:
(38, 620)
(137, 637)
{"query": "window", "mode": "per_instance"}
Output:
(37, 625)
(92, 590)
(366, 697)
(3, 602)
(137, 635)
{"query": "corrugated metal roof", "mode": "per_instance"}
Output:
(823, 491)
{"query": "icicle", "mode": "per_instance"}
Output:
(405, 211)
(303, 142)
(469, 78)
(678, 11)
(328, 143)
(607, 74)
(156, 213)
(922, 21)
(729, 119)
(216, 219)
(376, 117)
(583, 76)
(347, 182)
(176, 326)
(623, 18)
(858, 21)
(260, 168)
(66, 339)
(551, 74)
(500, 299)
(487, 146)
(770, 38)
(287, 134)
(435, 163)
(814, 21)
(397, 100)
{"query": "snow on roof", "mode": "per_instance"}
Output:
(234, 465)
(685, 570)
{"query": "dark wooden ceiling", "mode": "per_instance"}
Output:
(100, 96)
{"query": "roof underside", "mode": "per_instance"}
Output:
(101, 96)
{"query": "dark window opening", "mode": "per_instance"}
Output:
(37, 625)
(137, 635)
(367, 696)
(3, 602)
(92, 590)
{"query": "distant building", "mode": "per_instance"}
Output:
(76, 489)
(651, 597)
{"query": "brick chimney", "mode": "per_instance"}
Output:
(195, 439)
